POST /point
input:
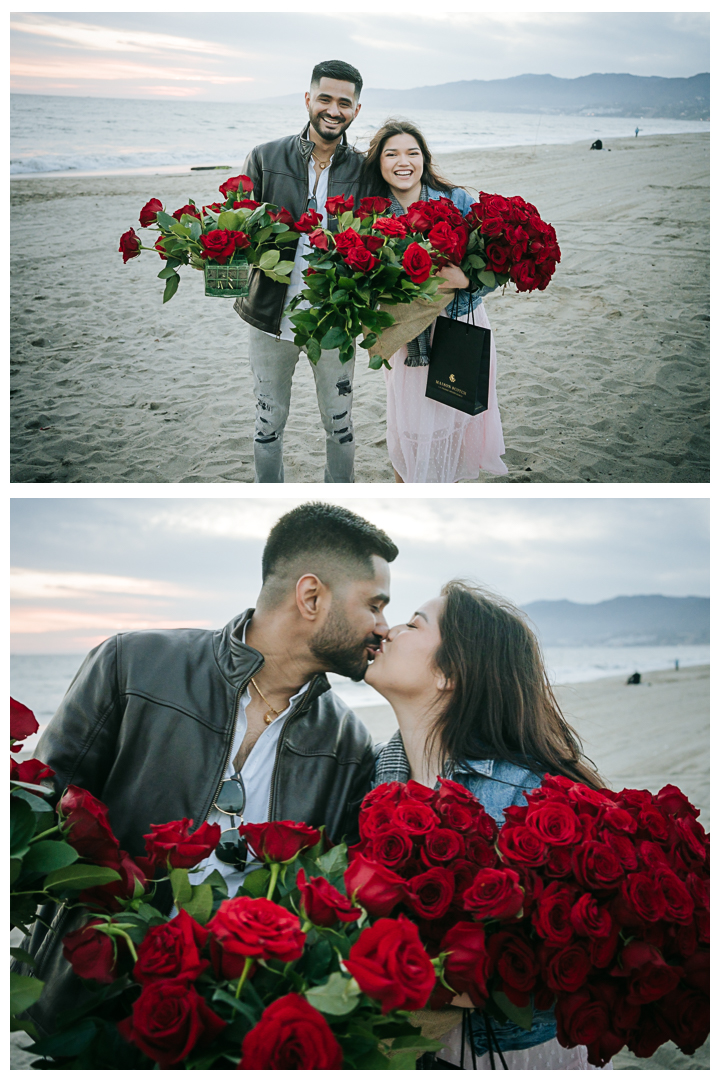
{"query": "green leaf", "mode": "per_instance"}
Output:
(375, 362)
(334, 338)
(22, 826)
(369, 341)
(416, 1042)
(48, 855)
(239, 1006)
(286, 238)
(268, 260)
(68, 1043)
(217, 882)
(476, 260)
(384, 318)
(23, 956)
(487, 277)
(404, 1061)
(256, 883)
(80, 877)
(165, 221)
(285, 266)
(337, 997)
(374, 1060)
(168, 271)
(521, 1016)
(228, 219)
(24, 992)
(24, 1025)
(334, 861)
(338, 295)
(171, 287)
(41, 789)
(313, 350)
(34, 802)
(181, 887)
(200, 906)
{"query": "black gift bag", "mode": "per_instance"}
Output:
(459, 371)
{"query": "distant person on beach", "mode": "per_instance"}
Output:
(429, 442)
(300, 172)
(637, 132)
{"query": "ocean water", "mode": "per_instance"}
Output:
(81, 136)
(40, 681)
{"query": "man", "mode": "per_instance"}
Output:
(154, 721)
(301, 172)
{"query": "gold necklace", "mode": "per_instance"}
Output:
(267, 717)
(323, 165)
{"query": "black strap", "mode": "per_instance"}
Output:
(492, 1038)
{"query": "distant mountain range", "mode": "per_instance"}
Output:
(598, 95)
(626, 620)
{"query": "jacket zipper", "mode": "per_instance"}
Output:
(236, 712)
(281, 740)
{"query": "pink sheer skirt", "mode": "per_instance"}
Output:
(543, 1057)
(430, 443)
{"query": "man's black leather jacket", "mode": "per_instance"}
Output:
(147, 726)
(279, 172)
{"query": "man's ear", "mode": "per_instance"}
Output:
(311, 596)
(307, 100)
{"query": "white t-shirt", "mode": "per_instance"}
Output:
(287, 330)
(256, 774)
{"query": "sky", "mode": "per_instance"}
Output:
(87, 568)
(240, 56)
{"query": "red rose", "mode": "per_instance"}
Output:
(565, 970)
(419, 216)
(158, 245)
(672, 800)
(467, 968)
(319, 239)
(91, 953)
(551, 917)
(390, 226)
(596, 866)
(699, 889)
(291, 1034)
(129, 245)
(679, 902)
(168, 1020)
(244, 927)
(555, 823)
(590, 919)
(497, 255)
(602, 950)
(452, 792)
(653, 820)
(693, 840)
(338, 204)
(383, 793)
(515, 963)
(171, 951)
(391, 966)
(649, 976)
(392, 849)
(234, 183)
(283, 216)
(494, 894)
(373, 243)
(173, 845)
(218, 244)
(280, 841)
(430, 894)
(418, 792)
(360, 258)
(416, 818)
(687, 1014)
(347, 240)
(480, 852)
(644, 896)
(559, 862)
(309, 221)
(372, 205)
(377, 819)
(649, 1035)
(623, 848)
(522, 845)
(417, 263)
(371, 884)
(22, 720)
(323, 904)
(246, 204)
(581, 1019)
(189, 209)
(30, 772)
(149, 212)
(108, 897)
(449, 241)
(442, 846)
(86, 826)
(523, 275)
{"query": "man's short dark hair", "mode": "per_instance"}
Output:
(337, 69)
(325, 535)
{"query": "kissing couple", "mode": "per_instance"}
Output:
(428, 442)
(160, 724)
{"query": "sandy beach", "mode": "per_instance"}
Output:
(602, 378)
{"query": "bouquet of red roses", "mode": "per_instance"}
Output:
(234, 234)
(594, 902)
(286, 974)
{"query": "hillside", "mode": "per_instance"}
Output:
(625, 620)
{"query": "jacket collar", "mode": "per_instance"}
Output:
(238, 662)
(305, 146)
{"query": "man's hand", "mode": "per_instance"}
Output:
(454, 278)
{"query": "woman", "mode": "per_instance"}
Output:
(430, 442)
(466, 681)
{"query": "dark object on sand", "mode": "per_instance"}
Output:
(597, 145)
(208, 168)
(634, 679)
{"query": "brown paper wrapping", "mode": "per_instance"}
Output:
(410, 320)
(434, 1023)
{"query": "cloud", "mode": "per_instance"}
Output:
(105, 39)
(53, 584)
(107, 71)
(29, 620)
(388, 46)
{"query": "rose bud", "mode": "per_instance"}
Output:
(279, 841)
(234, 183)
(84, 821)
(323, 904)
(22, 720)
(371, 884)
(173, 845)
(149, 212)
(91, 953)
(30, 772)
(129, 245)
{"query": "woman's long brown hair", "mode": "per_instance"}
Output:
(501, 704)
(372, 181)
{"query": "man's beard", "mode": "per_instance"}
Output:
(327, 136)
(337, 647)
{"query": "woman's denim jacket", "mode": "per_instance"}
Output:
(466, 298)
(497, 784)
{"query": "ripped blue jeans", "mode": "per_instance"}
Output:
(273, 364)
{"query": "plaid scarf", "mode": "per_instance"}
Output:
(418, 350)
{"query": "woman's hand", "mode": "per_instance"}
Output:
(454, 278)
